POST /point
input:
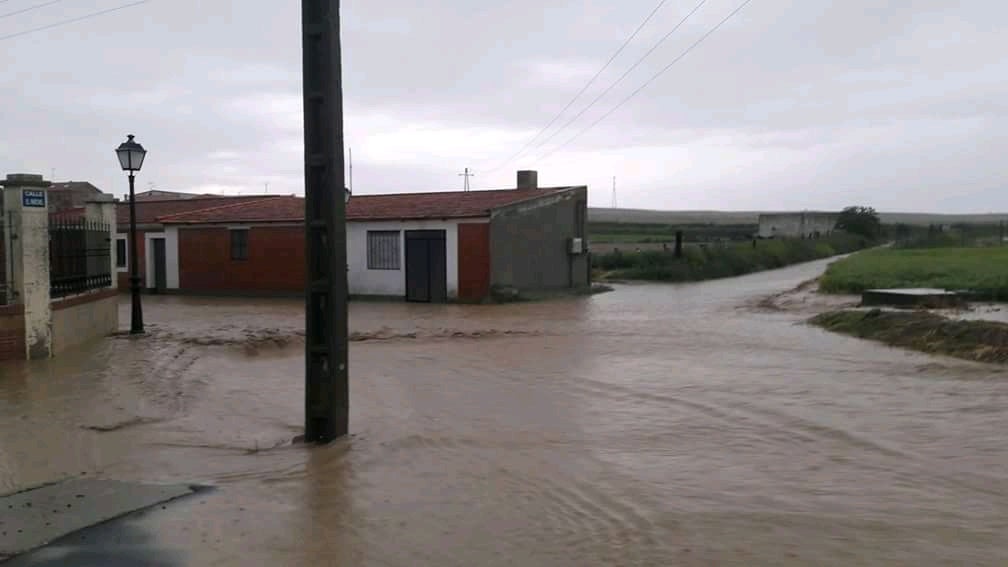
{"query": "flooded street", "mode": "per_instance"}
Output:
(654, 425)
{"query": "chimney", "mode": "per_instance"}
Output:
(528, 179)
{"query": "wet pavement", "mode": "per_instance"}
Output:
(654, 425)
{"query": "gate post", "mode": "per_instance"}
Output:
(26, 207)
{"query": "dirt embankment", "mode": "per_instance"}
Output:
(978, 333)
(982, 341)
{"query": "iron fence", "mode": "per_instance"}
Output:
(79, 256)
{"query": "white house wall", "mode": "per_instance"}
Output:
(170, 235)
(363, 281)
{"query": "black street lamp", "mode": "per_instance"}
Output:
(131, 157)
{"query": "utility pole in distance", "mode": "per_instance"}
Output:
(466, 175)
(327, 392)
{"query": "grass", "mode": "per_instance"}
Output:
(704, 263)
(982, 341)
(983, 271)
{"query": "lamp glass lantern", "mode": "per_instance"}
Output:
(131, 155)
(346, 195)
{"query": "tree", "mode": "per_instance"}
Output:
(862, 221)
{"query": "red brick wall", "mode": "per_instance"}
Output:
(473, 261)
(12, 332)
(123, 277)
(275, 260)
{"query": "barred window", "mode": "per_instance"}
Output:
(383, 249)
(120, 253)
(239, 244)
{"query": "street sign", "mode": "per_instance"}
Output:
(33, 198)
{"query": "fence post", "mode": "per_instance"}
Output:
(26, 206)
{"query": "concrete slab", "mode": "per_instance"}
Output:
(35, 517)
(912, 297)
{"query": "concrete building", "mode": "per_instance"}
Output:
(806, 224)
(443, 246)
(67, 195)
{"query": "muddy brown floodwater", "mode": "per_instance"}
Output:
(654, 425)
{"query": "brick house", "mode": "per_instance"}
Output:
(415, 246)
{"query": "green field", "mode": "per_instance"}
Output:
(717, 261)
(980, 270)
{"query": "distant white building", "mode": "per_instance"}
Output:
(797, 225)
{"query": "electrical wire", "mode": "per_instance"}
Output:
(623, 76)
(648, 82)
(583, 89)
(73, 20)
(30, 8)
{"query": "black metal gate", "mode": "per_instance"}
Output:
(426, 266)
(79, 256)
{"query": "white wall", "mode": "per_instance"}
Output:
(363, 281)
(170, 235)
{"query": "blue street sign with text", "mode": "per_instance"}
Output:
(32, 198)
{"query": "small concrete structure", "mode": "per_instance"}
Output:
(806, 224)
(34, 323)
(912, 297)
(27, 234)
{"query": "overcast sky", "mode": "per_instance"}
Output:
(812, 104)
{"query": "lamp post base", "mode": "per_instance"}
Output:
(136, 318)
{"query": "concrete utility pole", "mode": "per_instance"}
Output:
(327, 392)
(466, 175)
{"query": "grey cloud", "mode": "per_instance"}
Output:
(792, 104)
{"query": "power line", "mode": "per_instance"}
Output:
(73, 20)
(623, 76)
(649, 81)
(584, 88)
(30, 8)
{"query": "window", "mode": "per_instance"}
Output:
(239, 244)
(383, 249)
(120, 252)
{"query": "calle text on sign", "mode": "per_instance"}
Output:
(33, 198)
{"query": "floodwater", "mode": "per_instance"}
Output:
(654, 425)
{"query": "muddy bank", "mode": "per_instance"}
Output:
(977, 340)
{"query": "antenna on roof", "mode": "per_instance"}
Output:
(466, 174)
(266, 189)
(350, 150)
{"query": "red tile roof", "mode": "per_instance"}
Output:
(403, 206)
(447, 204)
(75, 213)
(148, 212)
(263, 209)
